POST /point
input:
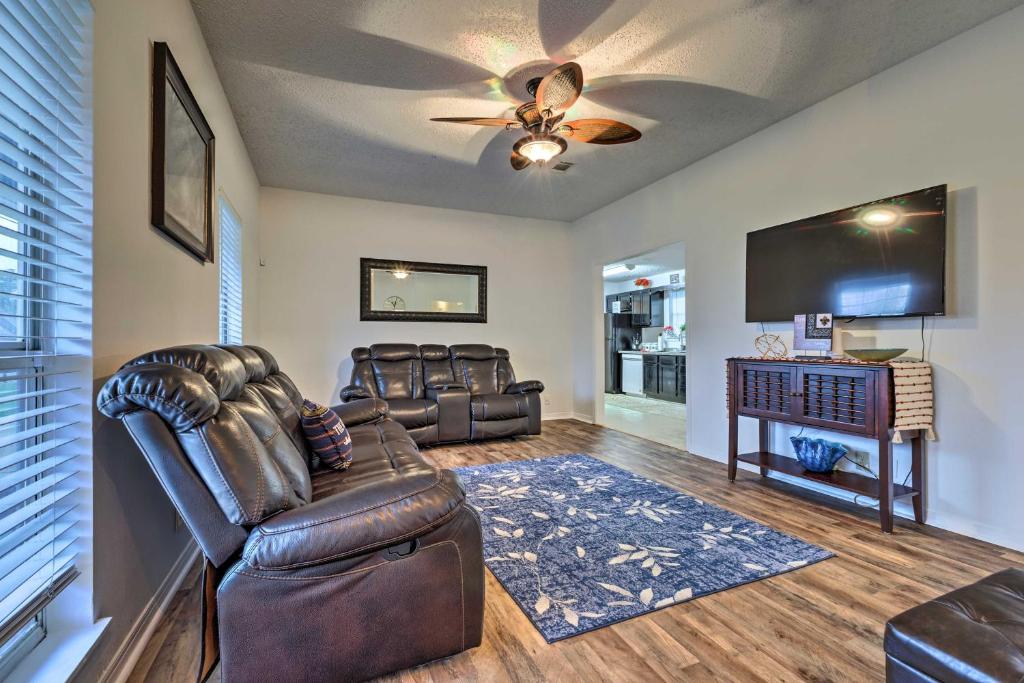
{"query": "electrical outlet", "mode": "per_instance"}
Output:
(547, 401)
(862, 458)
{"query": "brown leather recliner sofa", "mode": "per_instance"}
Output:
(443, 394)
(311, 574)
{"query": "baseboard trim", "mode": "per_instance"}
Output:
(567, 416)
(130, 650)
(555, 416)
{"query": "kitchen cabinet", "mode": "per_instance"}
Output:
(657, 309)
(647, 306)
(650, 375)
(641, 309)
(665, 377)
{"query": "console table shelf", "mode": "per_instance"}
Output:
(854, 399)
(848, 481)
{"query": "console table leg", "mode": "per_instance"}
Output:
(733, 444)
(917, 476)
(885, 482)
(763, 437)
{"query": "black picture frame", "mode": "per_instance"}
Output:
(195, 236)
(366, 313)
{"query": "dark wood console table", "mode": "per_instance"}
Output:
(853, 399)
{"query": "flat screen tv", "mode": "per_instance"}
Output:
(881, 259)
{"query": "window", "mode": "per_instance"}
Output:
(45, 323)
(677, 311)
(230, 274)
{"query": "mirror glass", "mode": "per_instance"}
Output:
(419, 291)
(423, 292)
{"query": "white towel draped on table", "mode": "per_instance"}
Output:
(915, 406)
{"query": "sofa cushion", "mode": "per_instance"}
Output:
(975, 633)
(379, 450)
(498, 407)
(413, 412)
(356, 520)
(328, 439)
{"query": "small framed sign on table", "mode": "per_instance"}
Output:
(812, 332)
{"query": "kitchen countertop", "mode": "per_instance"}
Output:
(656, 353)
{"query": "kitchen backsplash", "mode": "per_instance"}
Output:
(649, 335)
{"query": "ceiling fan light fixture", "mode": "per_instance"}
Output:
(540, 148)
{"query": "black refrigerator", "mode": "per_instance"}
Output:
(618, 336)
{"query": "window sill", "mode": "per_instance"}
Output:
(71, 635)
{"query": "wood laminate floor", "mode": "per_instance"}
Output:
(821, 623)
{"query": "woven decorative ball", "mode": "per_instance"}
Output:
(770, 346)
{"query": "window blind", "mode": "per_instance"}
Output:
(45, 302)
(230, 274)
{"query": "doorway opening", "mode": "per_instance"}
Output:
(644, 351)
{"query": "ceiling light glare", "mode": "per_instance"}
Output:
(881, 217)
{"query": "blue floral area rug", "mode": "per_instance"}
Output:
(580, 544)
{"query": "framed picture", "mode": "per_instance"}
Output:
(812, 332)
(181, 185)
(413, 291)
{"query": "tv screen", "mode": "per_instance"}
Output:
(881, 259)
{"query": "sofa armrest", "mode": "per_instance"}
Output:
(525, 387)
(445, 387)
(453, 413)
(361, 411)
(364, 518)
(353, 393)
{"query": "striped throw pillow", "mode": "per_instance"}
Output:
(326, 435)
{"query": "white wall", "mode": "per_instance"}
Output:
(148, 293)
(950, 115)
(309, 287)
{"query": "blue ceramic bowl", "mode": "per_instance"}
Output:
(817, 455)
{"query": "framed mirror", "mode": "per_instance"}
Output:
(413, 291)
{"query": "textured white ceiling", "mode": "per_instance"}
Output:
(335, 97)
(663, 260)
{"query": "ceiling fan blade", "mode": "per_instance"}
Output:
(599, 131)
(559, 89)
(477, 121)
(519, 162)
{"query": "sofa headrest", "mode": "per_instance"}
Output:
(394, 352)
(472, 351)
(501, 353)
(255, 370)
(433, 352)
(222, 369)
(360, 353)
(180, 396)
(270, 365)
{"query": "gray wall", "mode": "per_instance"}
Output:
(135, 541)
(148, 293)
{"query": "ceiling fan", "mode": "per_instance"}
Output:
(542, 118)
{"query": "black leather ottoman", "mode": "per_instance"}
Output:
(975, 633)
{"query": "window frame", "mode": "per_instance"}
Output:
(228, 259)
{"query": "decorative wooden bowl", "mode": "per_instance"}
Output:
(875, 355)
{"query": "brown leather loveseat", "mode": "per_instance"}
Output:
(311, 574)
(443, 394)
